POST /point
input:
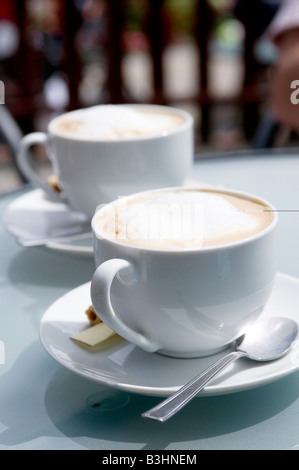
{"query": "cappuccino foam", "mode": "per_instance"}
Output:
(113, 122)
(182, 219)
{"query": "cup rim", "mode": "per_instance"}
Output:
(189, 121)
(181, 251)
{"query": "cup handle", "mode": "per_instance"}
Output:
(100, 297)
(24, 160)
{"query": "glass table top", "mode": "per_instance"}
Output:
(47, 407)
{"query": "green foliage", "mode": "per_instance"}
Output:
(180, 14)
(136, 11)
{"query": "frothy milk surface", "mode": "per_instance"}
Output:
(182, 219)
(113, 122)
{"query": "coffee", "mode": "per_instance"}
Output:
(182, 219)
(112, 122)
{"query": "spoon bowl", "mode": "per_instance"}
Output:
(267, 340)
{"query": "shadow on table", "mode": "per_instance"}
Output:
(41, 276)
(38, 395)
(43, 267)
(114, 417)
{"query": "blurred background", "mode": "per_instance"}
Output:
(210, 57)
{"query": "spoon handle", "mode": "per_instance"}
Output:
(68, 237)
(169, 407)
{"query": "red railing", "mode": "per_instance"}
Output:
(28, 67)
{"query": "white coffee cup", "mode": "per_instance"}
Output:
(97, 168)
(183, 302)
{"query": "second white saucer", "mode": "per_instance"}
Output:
(35, 216)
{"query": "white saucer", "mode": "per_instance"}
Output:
(35, 215)
(123, 366)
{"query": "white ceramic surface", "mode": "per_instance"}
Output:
(188, 302)
(97, 172)
(121, 365)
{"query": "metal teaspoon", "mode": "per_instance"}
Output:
(266, 340)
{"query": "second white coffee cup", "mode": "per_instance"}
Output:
(94, 169)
